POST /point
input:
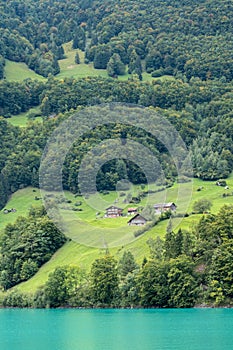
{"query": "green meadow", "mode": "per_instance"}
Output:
(92, 234)
(18, 71)
(22, 120)
(21, 200)
(68, 67)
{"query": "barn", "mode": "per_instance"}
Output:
(137, 220)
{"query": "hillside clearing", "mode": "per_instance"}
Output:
(68, 68)
(92, 228)
(22, 118)
(18, 71)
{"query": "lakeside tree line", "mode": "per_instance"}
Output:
(183, 270)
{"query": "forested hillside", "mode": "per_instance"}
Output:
(190, 42)
(201, 112)
(172, 36)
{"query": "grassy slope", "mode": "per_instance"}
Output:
(75, 253)
(18, 71)
(68, 68)
(21, 200)
(22, 120)
(19, 120)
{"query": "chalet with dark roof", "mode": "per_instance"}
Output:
(137, 220)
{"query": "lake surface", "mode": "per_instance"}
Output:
(71, 329)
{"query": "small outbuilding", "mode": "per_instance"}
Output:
(132, 211)
(137, 220)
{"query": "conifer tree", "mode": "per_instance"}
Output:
(77, 58)
(115, 66)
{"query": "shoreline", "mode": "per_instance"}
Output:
(204, 306)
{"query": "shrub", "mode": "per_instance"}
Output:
(183, 179)
(77, 204)
(222, 183)
(202, 206)
(157, 73)
(17, 299)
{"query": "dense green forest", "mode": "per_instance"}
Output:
(185, 48)
(26, 245)
(200, 111)
(171, 36)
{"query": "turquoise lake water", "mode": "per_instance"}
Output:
(71, 329)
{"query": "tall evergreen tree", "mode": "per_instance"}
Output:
(115, 66)
(101, 57)
(77, 58)
(79, 40)
(135, 65)
(126, 264)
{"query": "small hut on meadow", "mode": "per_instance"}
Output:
(132, 211)
(137, 220)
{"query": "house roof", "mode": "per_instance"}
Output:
(132, 209)
(113, 207)
(164, 205)
(137, 216)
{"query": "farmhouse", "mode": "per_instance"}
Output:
(162, 207)
(113, 212)
(137, 220)
(132, 211)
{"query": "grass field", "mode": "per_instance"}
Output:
(68, 68)
(21, 200)
(97, 230)
(73, 253)
(87, 220)
(90, 232)
(19, 120)
(22, 120)
(18, 71)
